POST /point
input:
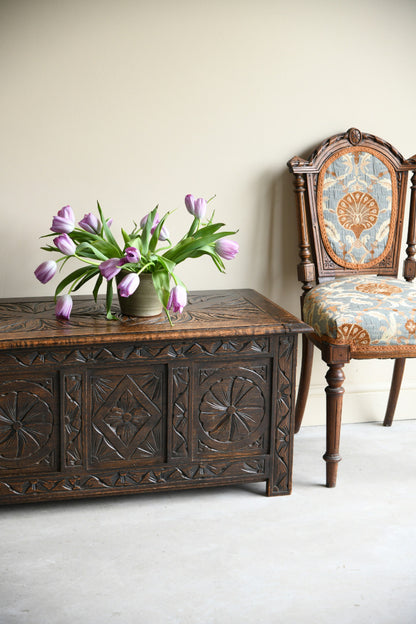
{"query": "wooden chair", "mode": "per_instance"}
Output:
(350, 205)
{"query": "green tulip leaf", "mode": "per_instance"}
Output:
(109, 300)
(94, 252)
(108, 234)
(97, 287)
(72, 277)
(80, 282)
(146, 235)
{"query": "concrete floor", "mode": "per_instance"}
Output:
(229, 555)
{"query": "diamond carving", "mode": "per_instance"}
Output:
(127, 417)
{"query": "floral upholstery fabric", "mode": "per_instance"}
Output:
(370, 313)
(357, 206)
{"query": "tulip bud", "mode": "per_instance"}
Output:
(65, 244)
(226, 248)
(90, 223)
(63, 307)
(132, 254)
(163, 234)
(46, 271)
(64, 222)
(177, 299)
(196, 207)
(200, 208)
(128, 284)
(156, 220)
(190, 204)
(111, 267)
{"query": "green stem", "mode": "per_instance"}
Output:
(94, 263)
(74, 283)
(192, 229)
(145, 267)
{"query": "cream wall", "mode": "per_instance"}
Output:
(136, 103)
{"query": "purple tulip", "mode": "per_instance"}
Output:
(110, 268)
(46, 271)
(63, 307)
(90, 223)
(128, 284)
(200, 208)
(190, 204)
(226, 248)
(156, 220)
(177, 299)
(163, 235)
(132, 255)
(196, 207)
(64, 222)
(65, 244)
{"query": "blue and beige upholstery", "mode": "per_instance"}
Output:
(372, 315)
(357, 207)
(351, 196)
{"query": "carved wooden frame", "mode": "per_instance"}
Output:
(315, 261)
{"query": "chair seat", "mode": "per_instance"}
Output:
(375, 315)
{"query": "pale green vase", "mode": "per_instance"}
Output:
(144, 301)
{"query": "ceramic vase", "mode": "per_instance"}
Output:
(144, 301)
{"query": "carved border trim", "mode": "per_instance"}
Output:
(127, 352)
(132, 480)
(283, 442)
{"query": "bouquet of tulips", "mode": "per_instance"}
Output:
(146, 249)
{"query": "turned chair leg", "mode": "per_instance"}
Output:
(396, 383)
(334, 394)
(304, 381)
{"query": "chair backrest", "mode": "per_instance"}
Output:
(351, 196)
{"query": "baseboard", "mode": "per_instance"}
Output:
(361, 404)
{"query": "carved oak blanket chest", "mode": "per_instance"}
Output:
(90, 407)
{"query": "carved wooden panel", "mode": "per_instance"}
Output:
(180, 411)
(126, 415)
(72, 415)
(282, 447)
(28, 424)
(232, 406)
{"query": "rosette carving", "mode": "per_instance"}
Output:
(232, 410)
